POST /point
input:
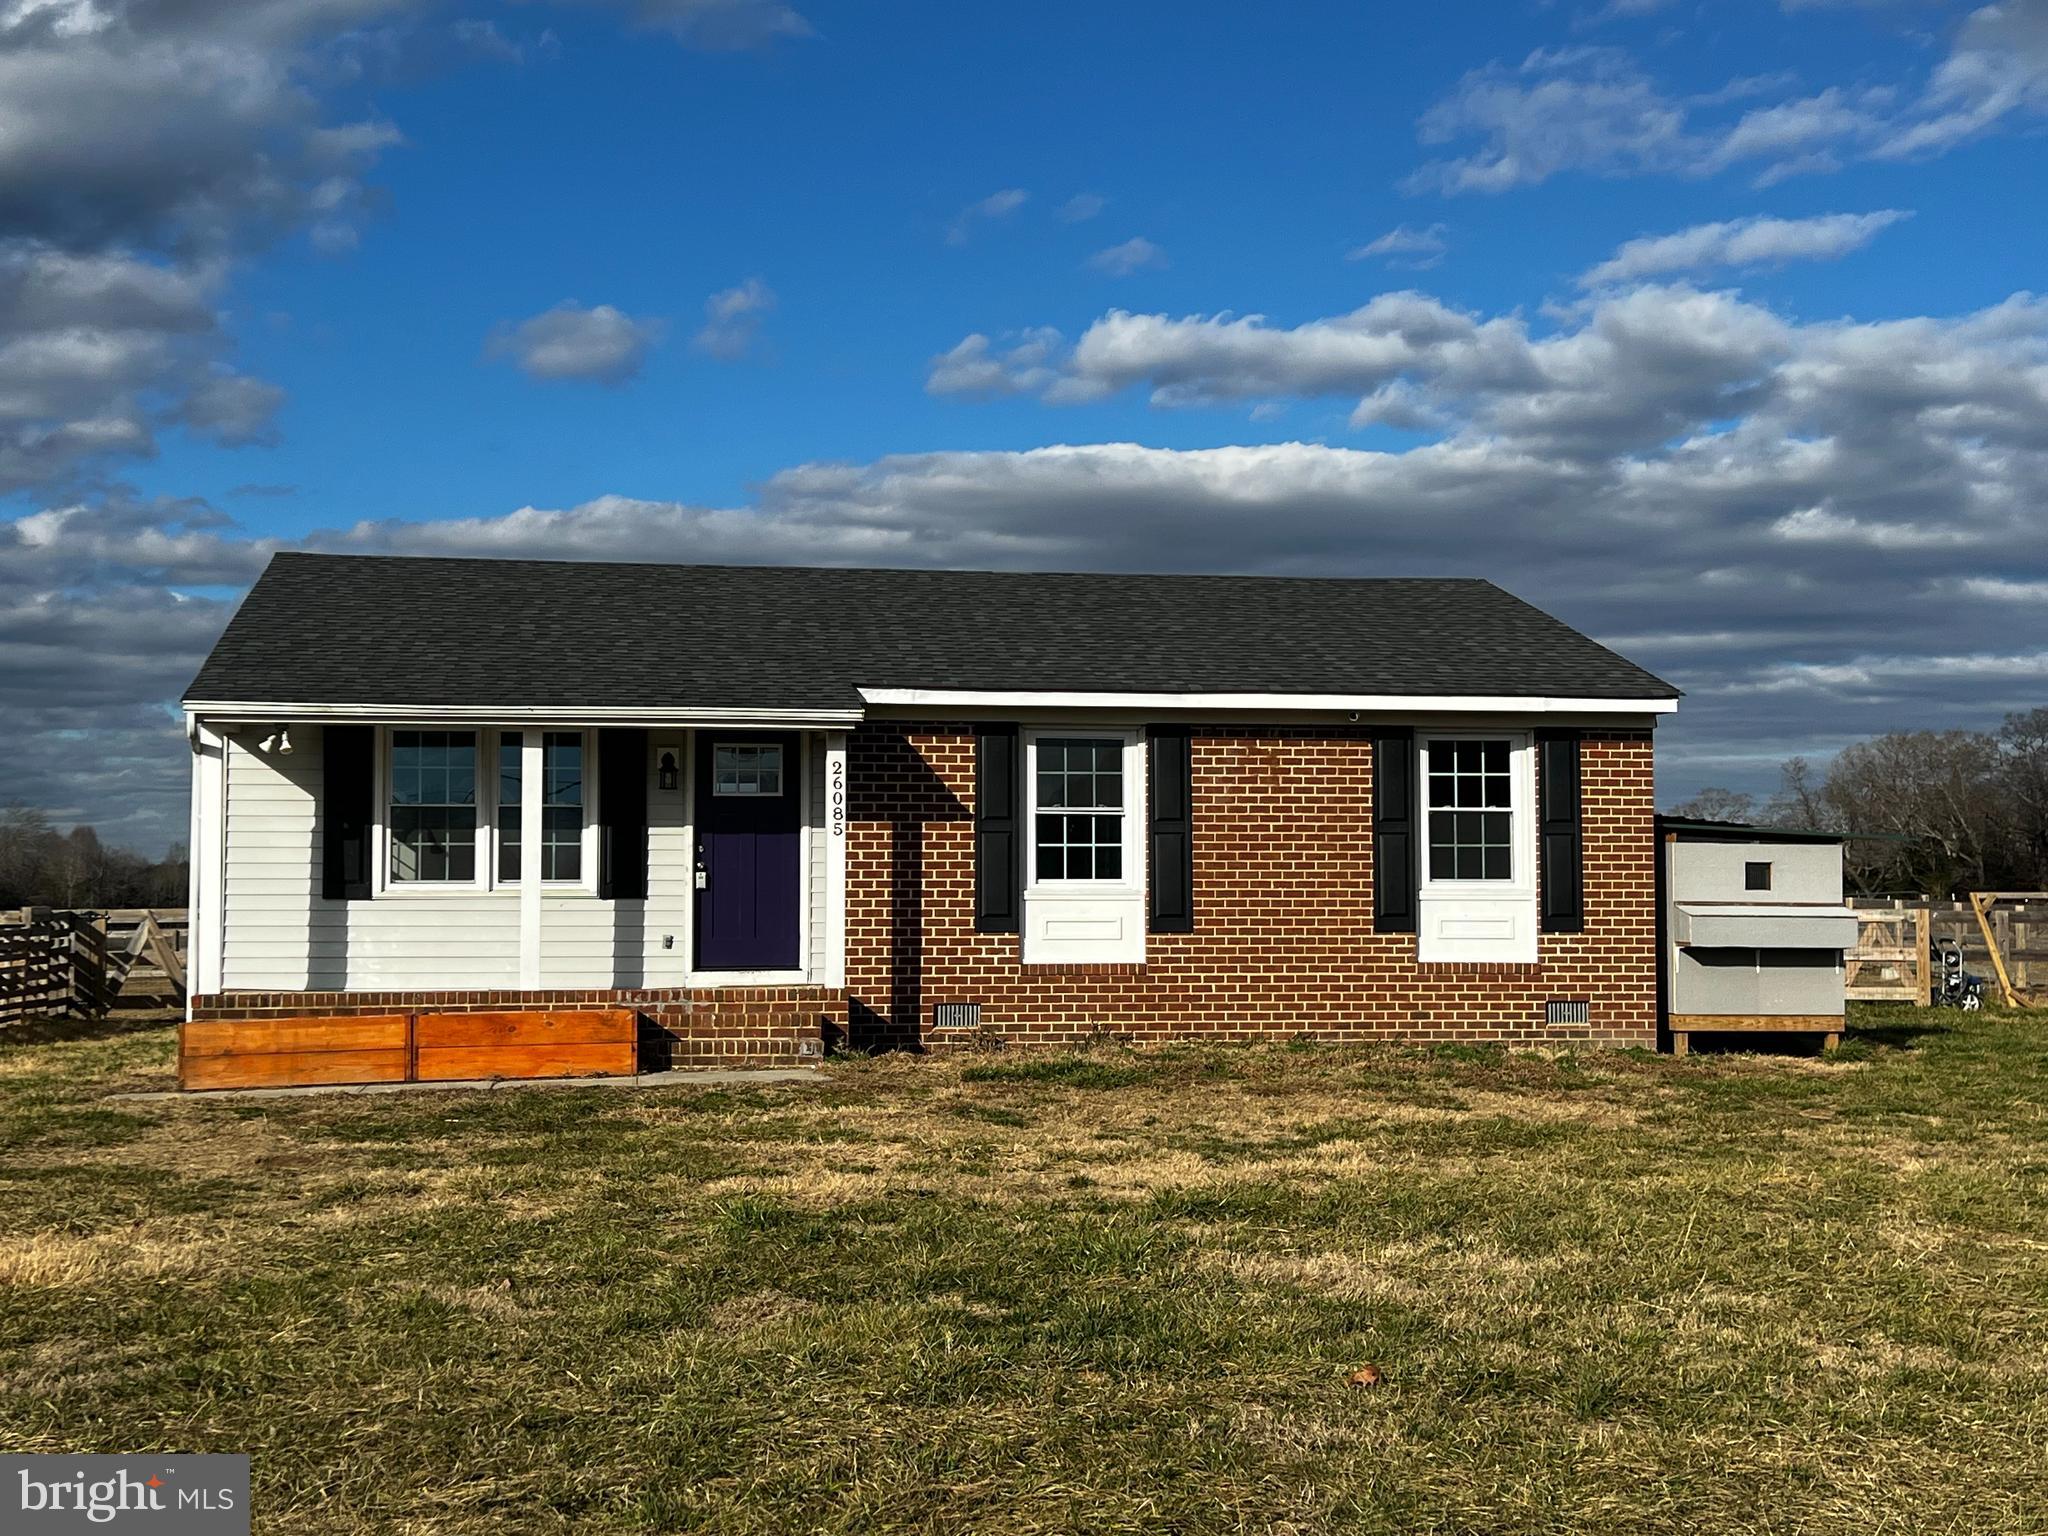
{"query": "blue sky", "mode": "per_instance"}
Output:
(1706, 325)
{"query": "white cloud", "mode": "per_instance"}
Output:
(977, 367)
(1586, 109)
(1595, 110)
(1134, 255)
(997, 205)
(1416, 249)
(176, 126)
(99, 353)
(1998, 67)
(732, 319)
(1998, 589)
(599, 344)
(1750, 242)
(1080, 208)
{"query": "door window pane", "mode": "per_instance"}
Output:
(746, 770)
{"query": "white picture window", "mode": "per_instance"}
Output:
(1471, 807)
(432, 810)
(1078, 830)
(562, 805)
(746, 770)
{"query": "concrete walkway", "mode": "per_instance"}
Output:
(707, 1078)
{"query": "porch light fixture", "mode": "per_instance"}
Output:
(668, 771)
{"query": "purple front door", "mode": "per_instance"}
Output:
(748, 826)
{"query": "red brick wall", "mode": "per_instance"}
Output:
(722, 1026)
(1283, 941)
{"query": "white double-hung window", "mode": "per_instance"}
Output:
(454, 807)
(561, 845)
(1078, 825)
(1084, 885)
(1478, 894)
(432, 810)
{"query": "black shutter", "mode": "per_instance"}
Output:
(1172, 866)
(1563, 898)
(622, 803)
(348, 793)
(1393, 830)
(998, 839)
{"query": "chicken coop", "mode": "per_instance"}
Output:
(1753, 930)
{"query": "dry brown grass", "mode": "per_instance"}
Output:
(1119, 1292)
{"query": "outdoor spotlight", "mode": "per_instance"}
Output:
(668, 770)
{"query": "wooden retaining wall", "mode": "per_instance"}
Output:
(408, 1048)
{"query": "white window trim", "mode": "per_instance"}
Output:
(1133, 878)
(1086, 922)
(1475, 903)
(486, 881)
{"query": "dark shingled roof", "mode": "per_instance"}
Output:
(364, 629)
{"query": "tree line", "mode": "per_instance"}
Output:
(42, 867)
(1933, 812)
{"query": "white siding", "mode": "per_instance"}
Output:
(281, 935)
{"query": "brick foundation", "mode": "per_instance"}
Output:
(698, 1027)
(1283, 941)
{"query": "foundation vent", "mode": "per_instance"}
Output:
(1563, 1011)
(956, 1015)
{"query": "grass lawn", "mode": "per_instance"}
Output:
(1109, 1292)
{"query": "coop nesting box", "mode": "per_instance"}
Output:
(1754, 929)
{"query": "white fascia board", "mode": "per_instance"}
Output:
(1350, 703)
(238, 709)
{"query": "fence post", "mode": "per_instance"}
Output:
(1924, 956)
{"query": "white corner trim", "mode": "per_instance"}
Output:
(834, 967)
(532, 820)
(490, 714)
(1375, 703)
(207, 853)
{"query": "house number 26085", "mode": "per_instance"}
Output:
(838, 793)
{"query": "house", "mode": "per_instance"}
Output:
(766, 808)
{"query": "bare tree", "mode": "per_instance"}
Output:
(1937, 794)
(1716, 804)
(2023, 745)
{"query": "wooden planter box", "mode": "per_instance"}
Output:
(408, 1048)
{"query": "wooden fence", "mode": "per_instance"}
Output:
(1895, 937)
(78, 964)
